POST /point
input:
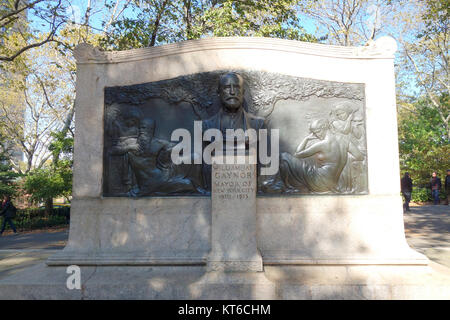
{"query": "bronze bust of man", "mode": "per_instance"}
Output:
(232, 114)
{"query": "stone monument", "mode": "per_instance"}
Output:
(233, 185)
(300, 200)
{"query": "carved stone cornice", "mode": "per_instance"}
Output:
(384, 47)
(86, 53)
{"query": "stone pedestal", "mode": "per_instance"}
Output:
(193, 282)
(233, 228)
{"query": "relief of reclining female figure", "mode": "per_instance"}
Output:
(318, 167)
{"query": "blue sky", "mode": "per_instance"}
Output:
(77, 10)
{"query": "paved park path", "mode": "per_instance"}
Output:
(52, 239)
(26, 249)
(427, 230)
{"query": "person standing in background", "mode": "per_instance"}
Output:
(8, 211)
(435, 185)
(406, 188)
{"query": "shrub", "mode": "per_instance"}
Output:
(30, 219)
(421, 195)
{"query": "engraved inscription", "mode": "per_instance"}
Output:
(233, 181)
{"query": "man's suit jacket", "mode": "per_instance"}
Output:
(250, 121)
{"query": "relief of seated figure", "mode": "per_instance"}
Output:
(317, 167)
(150, 162)
(123, 131)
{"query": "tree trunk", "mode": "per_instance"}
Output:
(48, 206)
(157, 21)
(188, 18)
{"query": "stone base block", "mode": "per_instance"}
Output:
(219, 285)
(66, 258)
(360, 282)
(193, 282)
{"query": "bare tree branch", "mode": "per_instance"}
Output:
(17, 10)
(12, 19)
(30, 46)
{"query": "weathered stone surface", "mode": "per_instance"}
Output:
(289, 230)
(137, 232)
(294, 282)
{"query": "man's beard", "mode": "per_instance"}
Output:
(232, 103)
